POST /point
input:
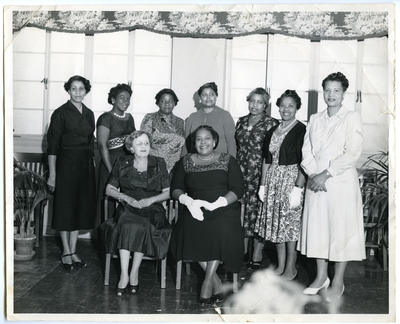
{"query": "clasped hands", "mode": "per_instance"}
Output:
(316, 182)
(194, 205)
(146, 202)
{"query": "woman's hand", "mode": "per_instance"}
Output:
(193, 209)
(51, 183)
(295, 197)
(220, 202)
(132, 202)
(316, 182)
(261, 192)
(146, 202)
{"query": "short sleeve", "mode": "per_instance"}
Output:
(104, 120)
(235, 176)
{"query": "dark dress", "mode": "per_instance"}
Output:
(143, 230)
(249, 141)
(70, 138)
(220, 235)
(119, 130)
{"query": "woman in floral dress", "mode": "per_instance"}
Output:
(250, 133)
(282, 183)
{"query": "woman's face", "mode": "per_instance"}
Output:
(256, 104)
(204, 142)
(333, 94)
(77, 91)
(288, 109)
(141, 146)
(122, 101)
(166, 104)
(208, 98)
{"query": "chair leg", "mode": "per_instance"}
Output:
(178, 275)
(163, 272)
(235, 282)
(107, 269)
(187, 268)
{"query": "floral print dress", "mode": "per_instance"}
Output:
(249, 140)
(277, 222)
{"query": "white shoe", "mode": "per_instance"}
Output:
(330, 298)
(314, 291)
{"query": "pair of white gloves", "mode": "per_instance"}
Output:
(294, 197)
(194, 205)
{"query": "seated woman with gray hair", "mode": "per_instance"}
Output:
(140, 182)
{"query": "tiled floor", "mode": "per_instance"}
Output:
(42, 286)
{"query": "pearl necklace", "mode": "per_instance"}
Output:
(283, 129)
(119, 116)
(206, 159)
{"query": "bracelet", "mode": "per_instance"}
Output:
(119, 197)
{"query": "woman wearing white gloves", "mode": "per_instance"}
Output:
(208, 183)
(281, 186)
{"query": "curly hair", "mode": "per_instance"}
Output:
(208, 85)
(134, 135)
(86, 83)
(259, 91)
(214, 134)
(291, 94)
(166, 91)
(338, 76)
(115, 91)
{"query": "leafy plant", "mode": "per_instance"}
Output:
(375, 190)
(30, 189)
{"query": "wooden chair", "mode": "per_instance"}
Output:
(187, 262)
(36, 162)
(109, 255)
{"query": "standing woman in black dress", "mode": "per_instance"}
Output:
(72, 169)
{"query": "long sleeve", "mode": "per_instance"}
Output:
(308, 162)
(352, 147)
(147, 124)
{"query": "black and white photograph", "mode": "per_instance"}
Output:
(198, 162)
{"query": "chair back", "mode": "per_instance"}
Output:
(36, 162)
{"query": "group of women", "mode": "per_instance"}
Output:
(259, 180)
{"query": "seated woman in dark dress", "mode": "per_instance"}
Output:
(139, 224)
(212, 234)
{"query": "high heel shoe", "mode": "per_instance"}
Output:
(256, 265)
(314, 291)
(121, 291)
(67, 266)
(133, 289)
(79, 264)
(205, 301)
(217, 298)
(331, 298)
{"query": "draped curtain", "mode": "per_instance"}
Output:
(311, 25)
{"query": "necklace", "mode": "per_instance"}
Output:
(284, 128)
(119, 116)
(206, 159)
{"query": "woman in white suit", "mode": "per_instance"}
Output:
(332, 227)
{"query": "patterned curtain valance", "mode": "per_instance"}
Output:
(310, 25)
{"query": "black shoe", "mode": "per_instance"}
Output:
(205, 301)
(133, 289)
(249, 264)
(79, 264)
(121, 291)
(67, 266)
(217, 298)
(256, 265)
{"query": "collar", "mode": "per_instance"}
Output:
(161, 116)
(340, 114)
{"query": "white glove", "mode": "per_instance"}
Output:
(261, 192)
(201, 203)
(193, 209)
(220, 202)
(295, 197)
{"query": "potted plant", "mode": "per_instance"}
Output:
(375, 192)
(30, 189)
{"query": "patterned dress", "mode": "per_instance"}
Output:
(277, 222)
(249, 141)
(168, 136)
